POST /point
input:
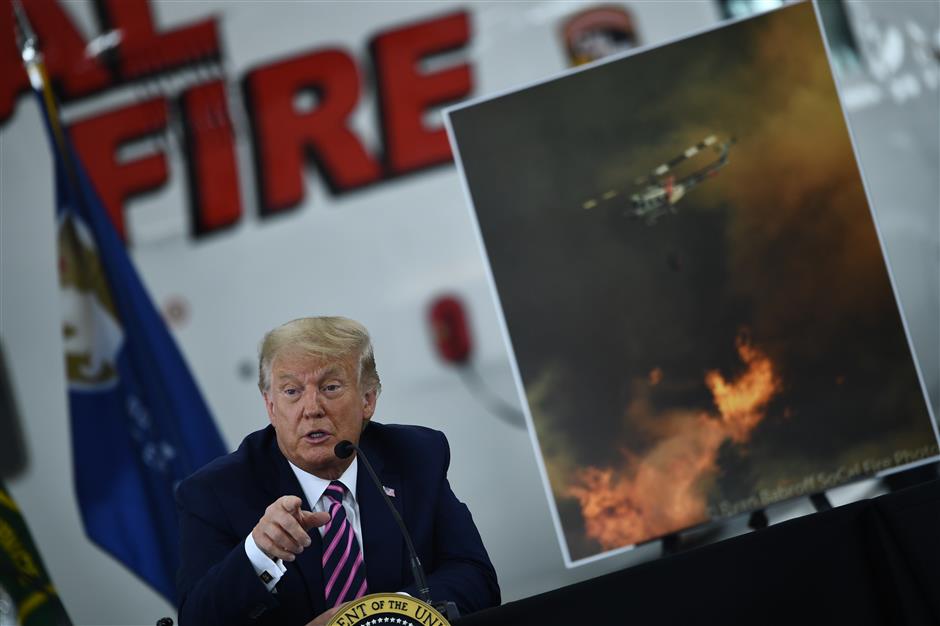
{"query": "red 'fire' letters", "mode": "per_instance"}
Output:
(406, 93)
(144, 51)
(284, 136)
(215, 201)
(98, 139)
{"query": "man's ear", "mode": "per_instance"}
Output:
(368, 405)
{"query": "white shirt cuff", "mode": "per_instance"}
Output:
(267, 570)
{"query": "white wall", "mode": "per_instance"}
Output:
(378, 255)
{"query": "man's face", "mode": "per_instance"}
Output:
(314, 404)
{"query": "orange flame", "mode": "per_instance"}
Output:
(742, 402)
(656, 376)
(664, 490)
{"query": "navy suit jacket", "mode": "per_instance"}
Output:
(220, 504)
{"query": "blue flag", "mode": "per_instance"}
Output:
(139, 423)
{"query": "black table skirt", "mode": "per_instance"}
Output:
(871, 562)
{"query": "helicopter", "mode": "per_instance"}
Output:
(662, 190)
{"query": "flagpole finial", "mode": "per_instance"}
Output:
(27, 44)
(25, 36)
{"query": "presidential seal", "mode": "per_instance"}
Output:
(388, 609)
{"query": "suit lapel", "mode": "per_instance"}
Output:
(383, 543)
(307, 568)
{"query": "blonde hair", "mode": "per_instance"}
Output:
(324, 337)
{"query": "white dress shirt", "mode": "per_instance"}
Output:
(270, 571)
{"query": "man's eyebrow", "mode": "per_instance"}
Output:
(334, 371)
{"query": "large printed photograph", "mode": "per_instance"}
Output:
(692, 283)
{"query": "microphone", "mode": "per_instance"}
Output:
(344, 450)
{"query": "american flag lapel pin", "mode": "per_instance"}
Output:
(389, 491)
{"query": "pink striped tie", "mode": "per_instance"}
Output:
(344, 572)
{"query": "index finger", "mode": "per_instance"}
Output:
(313, 519)
(291, 504)
(293, 525)
(285, 522)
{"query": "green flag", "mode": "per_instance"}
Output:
(27, 596)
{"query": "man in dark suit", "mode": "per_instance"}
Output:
(282, 531)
